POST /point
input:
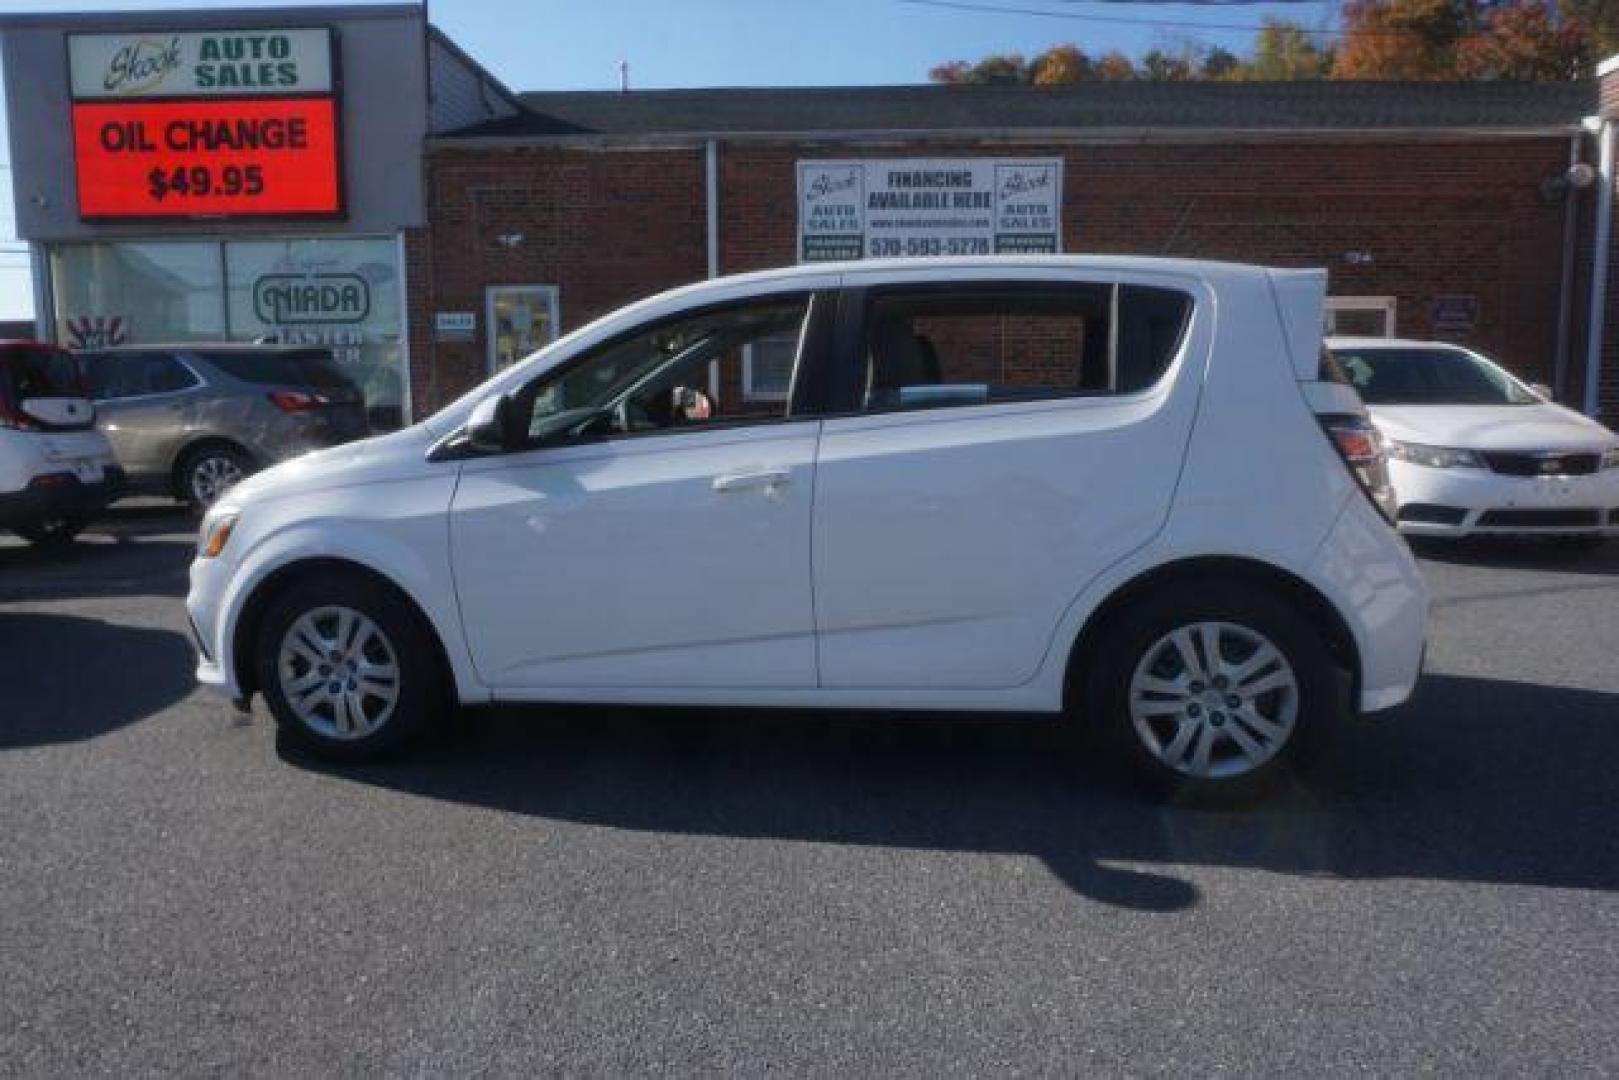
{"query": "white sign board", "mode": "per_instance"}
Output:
(455, 325)
(208, 63)
(913, 207)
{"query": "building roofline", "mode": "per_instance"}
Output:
(511, 97)
(1078, 135)
(213, 18)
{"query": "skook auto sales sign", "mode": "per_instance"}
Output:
(217, 123)
(208, 64)
(919, 207)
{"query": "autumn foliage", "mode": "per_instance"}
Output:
(1380, 39)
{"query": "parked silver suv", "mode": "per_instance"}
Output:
(192, 420)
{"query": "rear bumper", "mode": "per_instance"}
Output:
(60, 495)
(1372, 579)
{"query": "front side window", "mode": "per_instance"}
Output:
(685, 373)
(1432, 376)
(982, 345)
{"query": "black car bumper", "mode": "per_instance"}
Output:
(60, 495)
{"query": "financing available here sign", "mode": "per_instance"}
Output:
(913, 207)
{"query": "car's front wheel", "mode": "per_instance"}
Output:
(51, 532)
(1215, 689)
(347, 668)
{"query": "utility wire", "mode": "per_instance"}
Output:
(1073, 16)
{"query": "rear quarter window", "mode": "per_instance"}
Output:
(933, 346)
(314, 368)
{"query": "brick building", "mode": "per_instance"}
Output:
(1443, 210)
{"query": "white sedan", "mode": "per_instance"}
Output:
(1474, 451)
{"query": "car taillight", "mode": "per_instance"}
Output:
(14, 419)
(296, 400)
(1361, 447)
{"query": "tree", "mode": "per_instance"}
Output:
(1166, 67)
(1285, 50)
(1403, 39)
(1114, 66)
(1599, 19)
(1060, 65)
(1000, 69)
(1219, 63)
(1529, 40)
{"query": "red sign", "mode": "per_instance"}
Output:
(267, 156)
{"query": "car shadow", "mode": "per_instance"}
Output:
(141, 550)
(1476, 780)
(68, 678)
(1497, 553)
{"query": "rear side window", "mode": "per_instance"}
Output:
(995, 343)
(111, 376)
(26, 374)
(312, 368)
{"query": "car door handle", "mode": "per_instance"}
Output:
(769, 479)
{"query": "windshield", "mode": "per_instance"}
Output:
(1431, 376)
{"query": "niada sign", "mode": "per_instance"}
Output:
(212, 63)
(920, 206)
(311, 299)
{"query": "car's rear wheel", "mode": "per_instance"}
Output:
(347, 668)
(209, 471)
(1213, 691)
(51, 532)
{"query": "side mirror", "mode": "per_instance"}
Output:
(1542, 389)
(492, 428)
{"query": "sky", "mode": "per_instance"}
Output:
(579, 44)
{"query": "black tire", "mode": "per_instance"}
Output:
(421, 686)
(54, 532)
(1320, 688)
(196, 478)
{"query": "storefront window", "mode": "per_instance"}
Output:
(111, 294)
(339, 293)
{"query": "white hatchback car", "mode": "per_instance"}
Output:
(1115, 486)
(1474, 451)
(56, 470)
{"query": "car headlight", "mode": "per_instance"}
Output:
(1610, 458)
(215, 534)
(1434, 457)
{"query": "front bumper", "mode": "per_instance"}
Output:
(60, 495)
(1462, 502)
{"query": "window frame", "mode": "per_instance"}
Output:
(846, 376)
(805, 397)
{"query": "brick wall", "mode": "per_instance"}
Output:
(605, 226)
(1436, 217)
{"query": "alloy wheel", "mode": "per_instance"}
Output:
(339, 673)
(213, 476)
(1214, 700)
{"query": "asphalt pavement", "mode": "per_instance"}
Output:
(610, 891)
